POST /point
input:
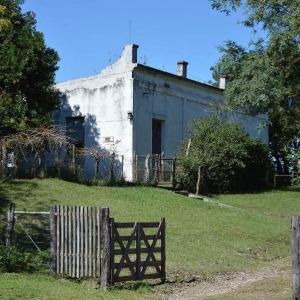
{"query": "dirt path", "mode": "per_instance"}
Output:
(235, 282)
(221, 284)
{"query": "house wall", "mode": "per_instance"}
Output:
(104, 101)
(175, 101)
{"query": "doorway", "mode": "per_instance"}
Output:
(156, 136)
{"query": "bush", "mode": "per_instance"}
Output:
(231, 160)
(13, 259)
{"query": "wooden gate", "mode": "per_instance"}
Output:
(154, 169)
(137, 255)
(76, 240)
(166, 171)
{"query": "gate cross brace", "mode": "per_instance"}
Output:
(151, 248)
(125, 255)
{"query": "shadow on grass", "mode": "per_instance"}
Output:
(15, 189)
(260, 192)
(288, 189)
(136, 285)
(147, 285)
(36, 226)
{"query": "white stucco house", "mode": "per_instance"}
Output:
(144, 109)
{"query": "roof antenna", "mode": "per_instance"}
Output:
(129, 41)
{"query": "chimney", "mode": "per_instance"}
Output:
(223, 80)
(130, 53)
(182, 68)
(134, 53)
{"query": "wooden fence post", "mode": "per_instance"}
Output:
(156, 159)
(112, 248)
(296, 256)
(111, 178)
(198, 181)
(160, 169)
(3, 166)
(58, 159)
(134, 167)
(73, 159)
(147, 170)
(105, 261)
(10, 224)
(53, 239)
(136, 163)
(163, 250)
(122, 167)
(174, 173)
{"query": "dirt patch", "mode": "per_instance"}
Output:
(222, 284)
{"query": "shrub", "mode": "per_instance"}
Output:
(231, 160)
(13, 259)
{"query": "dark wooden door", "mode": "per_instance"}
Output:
(156, 136)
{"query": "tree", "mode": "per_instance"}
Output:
(27, 71)
(3, 21)
(230, 160)
(265, 77)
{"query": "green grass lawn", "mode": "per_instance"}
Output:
(37, 286)
(283, 202)
(201, 238)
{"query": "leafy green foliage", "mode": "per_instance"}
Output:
(3, 22)
(14, 259)
(231, 160)
(265, 77)
(27, 71)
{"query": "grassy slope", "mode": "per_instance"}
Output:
(202, 238)
(283, 203)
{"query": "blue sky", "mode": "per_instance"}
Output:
(89, 35)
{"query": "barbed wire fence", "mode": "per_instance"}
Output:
(28, 232)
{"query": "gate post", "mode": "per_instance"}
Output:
(296, 256)
(10, 223)
(138, 251)
(53, 239)
(105, 259)
(163, 250)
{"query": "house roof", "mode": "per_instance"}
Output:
(127, 62)
(155, 71)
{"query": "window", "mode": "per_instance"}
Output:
(75, 131)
